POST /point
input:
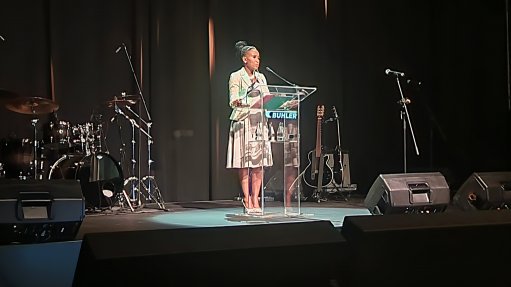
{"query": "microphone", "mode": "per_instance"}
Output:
(413, 82)
(335, 112)
(278, 76)
(119, 48)
(255, 76)
(2, 38)
(396, 73)
(404, 101)
(334, 118)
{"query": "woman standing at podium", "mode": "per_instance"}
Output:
(249, 149)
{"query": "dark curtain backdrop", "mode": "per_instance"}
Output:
(66, 51)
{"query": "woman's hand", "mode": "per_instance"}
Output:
(238, 103)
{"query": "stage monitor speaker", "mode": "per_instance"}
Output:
(485, 190)
(441, 249)
(282, 254)
(408, 193)
(35, 211)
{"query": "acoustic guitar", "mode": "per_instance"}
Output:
(317, 161)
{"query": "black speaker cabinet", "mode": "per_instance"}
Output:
(485, 190)
(34, 211)
(408, 193)
(256, 255)
(441, 249)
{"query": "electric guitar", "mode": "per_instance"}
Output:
(317, 161)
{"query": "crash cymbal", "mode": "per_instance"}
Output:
(129, 97)
(120, 102)
(31, 105)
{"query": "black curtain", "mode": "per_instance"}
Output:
(68, 51)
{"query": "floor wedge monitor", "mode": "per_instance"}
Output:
(408, 193)
(485, 190)
(36, 211)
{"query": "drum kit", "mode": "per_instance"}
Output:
(68, 151)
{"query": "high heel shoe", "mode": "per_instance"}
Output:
(257, 210)
(246, 210)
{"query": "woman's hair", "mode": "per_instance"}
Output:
(242, 48)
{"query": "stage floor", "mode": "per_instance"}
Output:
(213, 214)
(53, 263)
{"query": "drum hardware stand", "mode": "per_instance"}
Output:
(125, 198)
(36, 144)
(132, 181)
(149, 182)
(153, 193)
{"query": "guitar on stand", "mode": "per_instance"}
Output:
(317, 173)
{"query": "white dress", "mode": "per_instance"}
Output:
(249, 144)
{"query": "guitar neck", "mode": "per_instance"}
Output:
(318, 137)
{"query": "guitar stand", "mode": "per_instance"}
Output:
(339, 191)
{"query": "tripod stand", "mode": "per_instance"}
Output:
(147, 185)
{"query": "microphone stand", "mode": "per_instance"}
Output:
(122, 153)
(278, 76)
(339, 142)
(405, 117)
(153, 192)
(338, 185)
(302, 91)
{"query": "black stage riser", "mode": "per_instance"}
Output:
(259, 255)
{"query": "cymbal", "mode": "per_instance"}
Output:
(31, 105)
(120, 102)
(129, 97)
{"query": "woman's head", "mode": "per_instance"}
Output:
(248, 54)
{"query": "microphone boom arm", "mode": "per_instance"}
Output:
(136, 82)
(403, 101)
(278, 76)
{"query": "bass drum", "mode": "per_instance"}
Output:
(100, 177)
(17, 158)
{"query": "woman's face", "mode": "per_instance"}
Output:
(252, 59)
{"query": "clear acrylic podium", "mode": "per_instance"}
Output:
(280, 129)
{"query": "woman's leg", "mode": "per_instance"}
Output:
(257, 179)
(290, 184)
(244, 181)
